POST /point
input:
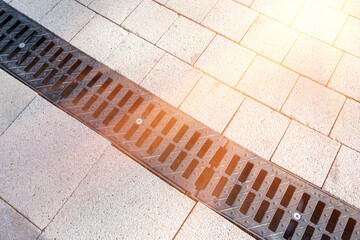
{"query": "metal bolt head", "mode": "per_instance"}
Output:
(139, 121)
(21, 45)
(297, 216)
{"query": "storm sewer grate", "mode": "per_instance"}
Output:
(256, 195)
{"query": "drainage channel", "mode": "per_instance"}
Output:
(258, 196)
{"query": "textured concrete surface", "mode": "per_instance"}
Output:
(13, 226)
(196, 10)
(34, 9)
(44, 155)
(119, 199)
(14, 98)
(257, 128)
(311, 158)
(204, 224)
(350, 36)
(212, 103)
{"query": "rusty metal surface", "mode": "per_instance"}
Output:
(256, 195)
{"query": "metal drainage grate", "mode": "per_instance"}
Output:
(256, 195)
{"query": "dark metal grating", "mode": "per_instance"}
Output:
(258, 196)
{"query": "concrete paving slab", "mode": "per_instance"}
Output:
(212, 103)
(268, 82)
(225, 60)
(347, 126)
(352, 7)
(313, 58)
(134, 58)
(116, 10)
(119, 199)
(14, 98)
(67, 18)
(346, 78)
(171, 79)
(314, 105)
(328, 21)
(150, 20)
(230, 19)
(13, 226)
(196, 10)
(203, 223)
(270, 38)
(85, 2)
(34, 9)
(312, 157)
(349, 37)
(343, 180)
(45, 154)
(284, 11)
(245, 2)
(99, 38)
(338, 4)
(257, 128)
(186, 40)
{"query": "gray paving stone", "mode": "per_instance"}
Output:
(85, 2)
(171, 79)
(119, 199)
(230, 19)
(67, 18)
(134, 58)
(45, 154)
(349, 36)
(150, 20)
(343, 180)
(203, 223)
(347, 126)
(14, 97)
(186, 40)
(116, 10)
(34, 9)
(13, 226)
(196, 10)
(99, 38)
(306, 153)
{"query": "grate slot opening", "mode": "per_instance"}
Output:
(65, 60)
(13, 54)
(174, 166)
(259, 180)
(189, 145)
(205, 147)
(287, 196)
(115, 92)
(273, 188)
(218, 156)
(290, 230)
(317, 212)
(169, 126)
(38, 43)
(157, 119)
(110, 116)
(131, 131)
(47, 49)
(233, 195)
(23, 58)
(147, 111)
(5, 21)
(126, 98)
(261, 211)
(121, 123)
(247, 203)
(165, 154)
(49, 76)
(104, 86)
(276, 219)
(349, 228)
(246, 172)
(56, 55)
(84, 73)
(22, 31)
(12, 28)
(94, 79)
(89, 103)
(325, 237)
(136, 105)
(143, 137)
(154, 145)
(204, 178)
(100, 109)
(309, 231)
(219, 187)
(333, 221)
(4, 48)
(31, 36)
(81, 94)
(189, 170)
(58, 84)
(40, 70)
(303, 202)
(181, 133)
(232, 165)
(74, 67)
(2, 37)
